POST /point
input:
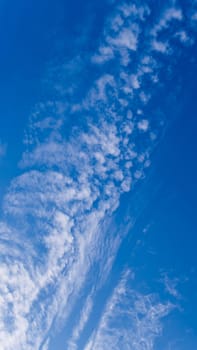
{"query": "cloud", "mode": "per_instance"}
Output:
(159, 46)
(70, 184)
(131, 320)
(184, 37)
(46, 345)
(171, 285)
(143, 125)
(84, 317)
(126, 39)
(122, 34)
(170, 14)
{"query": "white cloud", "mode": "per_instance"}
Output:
(125, 39)
(84, 316)
(70, 184)
(46, 345)
(184, 37)
(143, 125)
(135, 81)
(171, 285)
(105, 54)
(169, 15)
(100, 91)
(122, 35)
(160, 46)
(130, 320)
(131, 10)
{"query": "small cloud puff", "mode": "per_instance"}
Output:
(143, 125)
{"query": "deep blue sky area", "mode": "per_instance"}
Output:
(98, 211)
(171, 212)
(32, 36)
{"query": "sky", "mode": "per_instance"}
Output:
(98, 104)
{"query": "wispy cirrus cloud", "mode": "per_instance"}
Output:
(84, 317)
(131, 320)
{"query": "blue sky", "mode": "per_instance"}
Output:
(98, 175)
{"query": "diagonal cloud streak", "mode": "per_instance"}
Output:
(131, 320)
